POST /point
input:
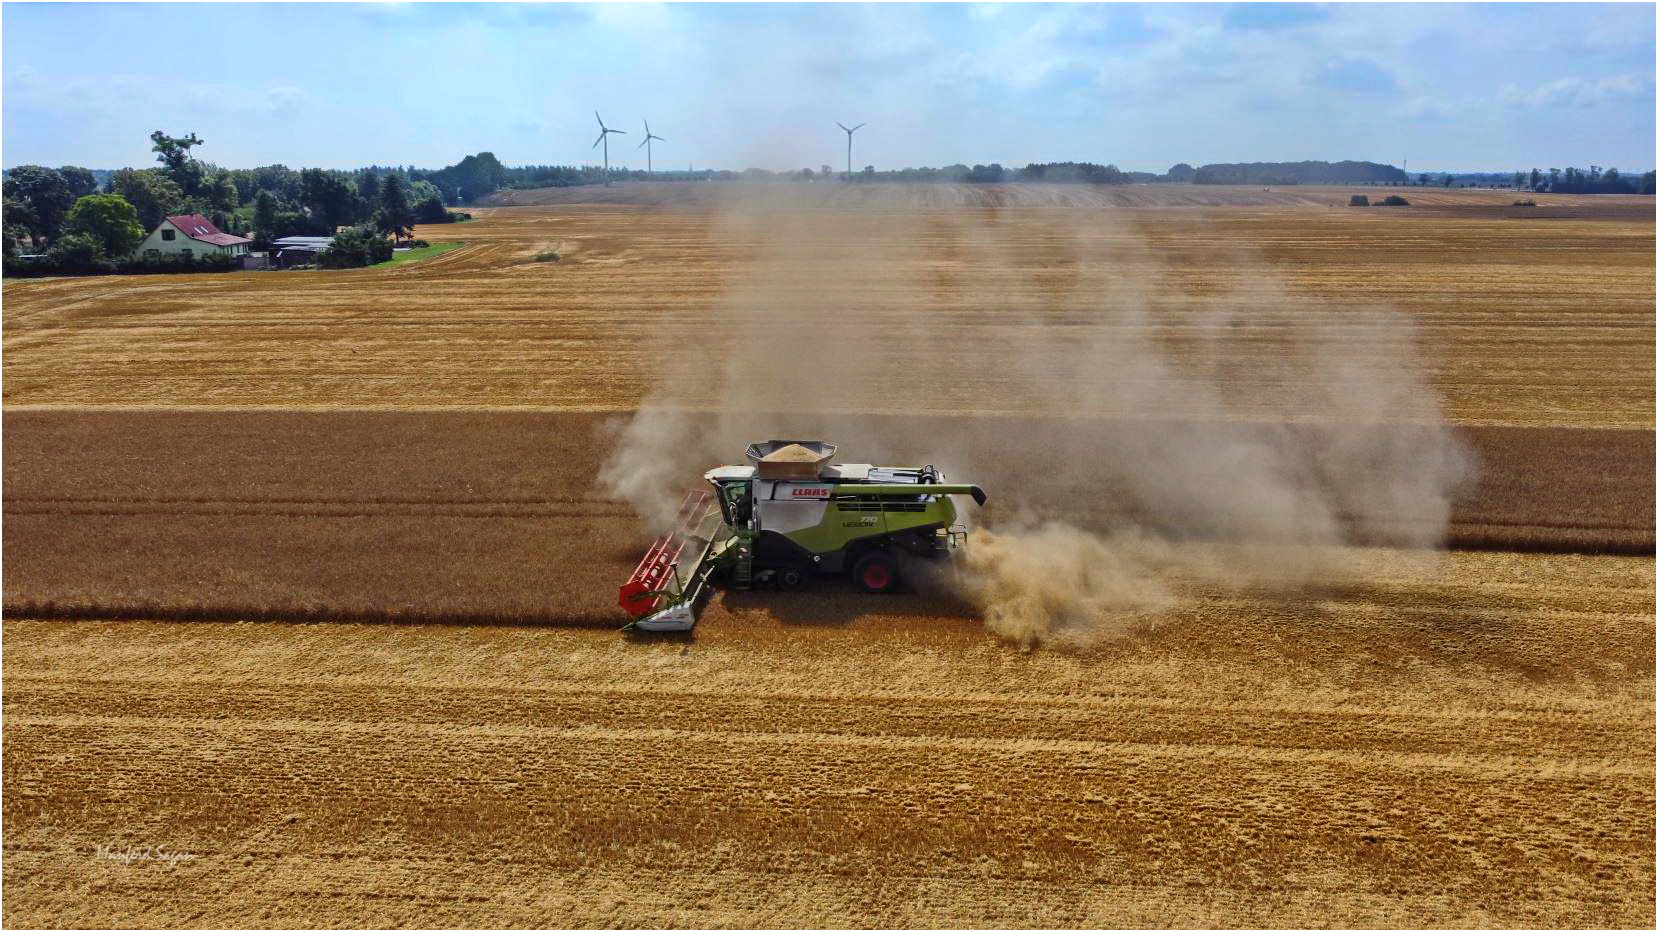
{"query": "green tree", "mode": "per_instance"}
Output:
(19, 219)
(77, 252)
(431, 210)
(471, 178)
(368, 193)
(108, 219)
(395, 216)
(418, 191)
(264, 216)
(280, 180)
(331, 199)
(1536, 179)
(173, 152)
(149, 191)
(355, 247)
(81, 181)
(295, 223)
(223, 194)
(47, 194)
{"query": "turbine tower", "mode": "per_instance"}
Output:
(849, 133)
(604, 137)
(646, 145)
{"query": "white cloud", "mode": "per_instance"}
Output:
(224, 99)
(1350, 74)
(1435, 110)
(285, 99)
(1576, 92)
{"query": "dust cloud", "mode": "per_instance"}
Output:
(1143, 424)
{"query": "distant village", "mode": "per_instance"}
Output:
(186, 215)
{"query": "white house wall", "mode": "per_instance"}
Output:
(180, 243)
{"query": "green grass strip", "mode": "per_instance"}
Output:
(415, 255)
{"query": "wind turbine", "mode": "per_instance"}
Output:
(849, 133)
(646, 145)
(604, 137)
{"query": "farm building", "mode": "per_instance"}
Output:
(289, 251)
(191, 235)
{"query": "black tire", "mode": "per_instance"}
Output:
(875, 572)
(790, 577)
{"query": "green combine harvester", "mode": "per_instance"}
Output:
(788, 516)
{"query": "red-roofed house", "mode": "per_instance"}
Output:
(191, 235)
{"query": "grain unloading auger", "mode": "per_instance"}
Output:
(787, 516)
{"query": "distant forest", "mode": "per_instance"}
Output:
(478, 175)
(1282, 173)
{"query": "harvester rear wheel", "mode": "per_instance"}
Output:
(875, 572)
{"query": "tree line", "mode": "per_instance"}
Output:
(1577, 181)
(1290, 173)
(995, 172)
(66, 212)
(77, 222)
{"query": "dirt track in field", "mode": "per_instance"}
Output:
(1465, 740)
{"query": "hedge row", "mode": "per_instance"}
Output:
(49, 264)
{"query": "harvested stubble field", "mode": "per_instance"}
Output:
(1474, 752)
(1463, 744)
(1538, 317)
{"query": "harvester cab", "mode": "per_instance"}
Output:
(786, 516)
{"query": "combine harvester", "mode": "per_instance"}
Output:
(786, 517)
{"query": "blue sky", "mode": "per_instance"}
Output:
(1474, 87)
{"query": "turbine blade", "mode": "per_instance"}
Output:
(599, 118)
(842, 125)
(598, 140)
(642, 142)
(859, 126)
(659, 139)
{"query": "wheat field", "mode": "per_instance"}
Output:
(309, 596)
(453, 516)
(1538, 317)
